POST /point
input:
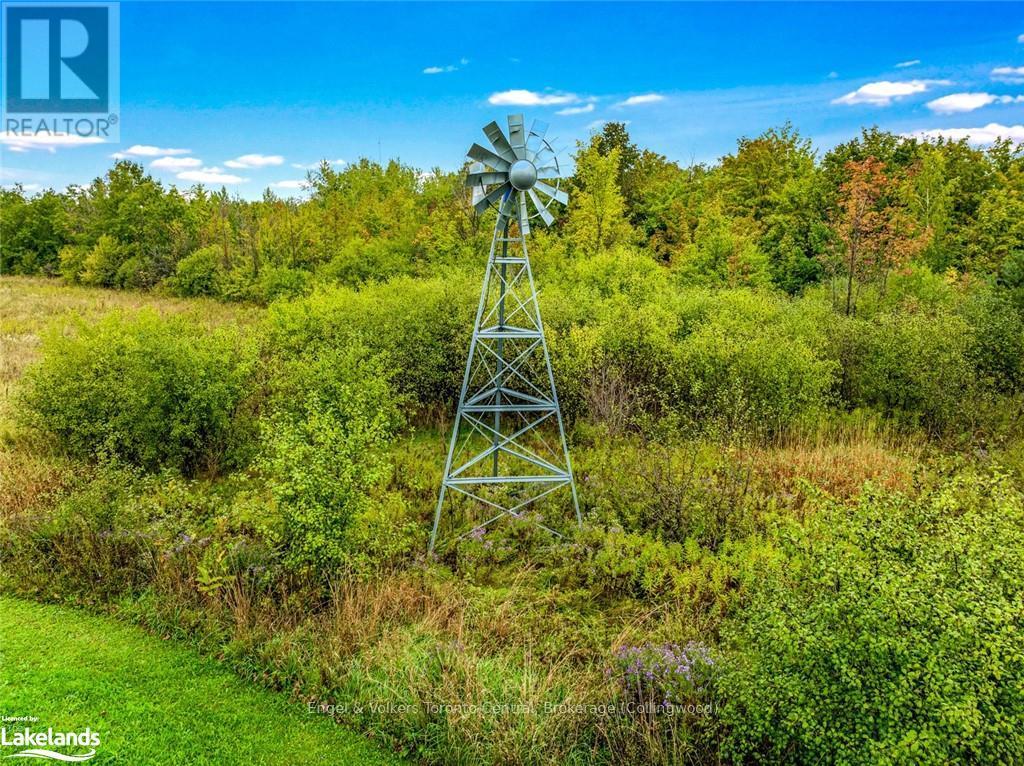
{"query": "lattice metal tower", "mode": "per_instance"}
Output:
(508, 448)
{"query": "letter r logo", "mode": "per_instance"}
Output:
(57, 58)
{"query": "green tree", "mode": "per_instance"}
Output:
(597, 213)
(32, 231)
(772, 181)
(928, 194)
(637, 167)
(723, 253)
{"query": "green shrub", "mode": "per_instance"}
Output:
(691, 491)
(754, 363)
(152, 391)
(910, 365)
(364, 261)
(198, 273)
(996, 347)
(280, 282)
(72, 262)
(619, 369)
(135, 273)
(100, 267)
(421, 326)
(383, 536)
(891, 636)
(91, 545)
(332, 416)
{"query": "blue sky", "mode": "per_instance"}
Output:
(246, 93)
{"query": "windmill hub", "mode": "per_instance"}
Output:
(523, 175)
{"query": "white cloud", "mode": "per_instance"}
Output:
(49, 142)
(644, 98)
(832, 75)
(518, 97)
(447, 68)
(905, 64)
(1020, 38)
(255, 161)
(210, 176)
(585, 109)
(143, 150)
(315, 165)
(291, 184)
(985, 135)
(885, 92)
(175, 164)
(968, 102)
(1008, 73)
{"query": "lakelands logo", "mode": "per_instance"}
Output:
(61, 71)
(38, 744)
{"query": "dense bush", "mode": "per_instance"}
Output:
(996, 347)
(891, 636)
(748, 378)
(152, 391)
(421, 326)
(753, 362)
(93, 541)
(914, 366)
(332, 415)
(198, 273)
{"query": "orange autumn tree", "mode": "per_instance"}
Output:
(875, 232)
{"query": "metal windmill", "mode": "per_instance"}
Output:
(508, 448)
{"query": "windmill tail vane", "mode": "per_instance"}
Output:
(508, 451)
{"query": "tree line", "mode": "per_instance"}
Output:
(773, 213)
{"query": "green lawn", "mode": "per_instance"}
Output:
(153, 702)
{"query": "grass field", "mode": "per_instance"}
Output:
(153, 702)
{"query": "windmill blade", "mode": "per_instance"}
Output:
(486, 178)
(517, 135)
(551, 191)
(550, 150)
(541, 209)
(498, 140)
(535, 140)
(505, 210)
(486, 156)
(492, 196)
(524, 215)
(544, 154)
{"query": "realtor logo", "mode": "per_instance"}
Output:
(60, 69)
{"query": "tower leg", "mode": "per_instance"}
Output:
(437, 519)
(462, 394)
(500, 361)
(554, 396)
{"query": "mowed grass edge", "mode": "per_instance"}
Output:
(153, 702)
